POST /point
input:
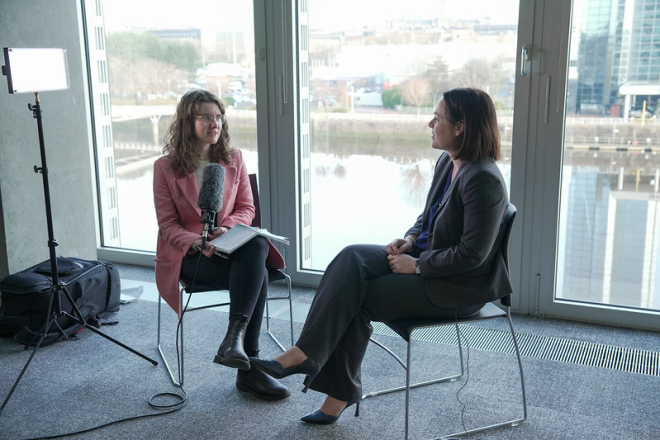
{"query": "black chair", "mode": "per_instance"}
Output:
(188, 289)
(406, 327)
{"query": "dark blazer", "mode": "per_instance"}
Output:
(463, 264)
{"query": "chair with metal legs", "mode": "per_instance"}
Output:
(406, 327)
(188, 289)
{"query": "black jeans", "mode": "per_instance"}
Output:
(359, 287)
(245, 275)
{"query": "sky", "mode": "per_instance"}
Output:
(237, 14)
(355, 13)
(179, 14)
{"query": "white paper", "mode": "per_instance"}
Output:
(239, 235)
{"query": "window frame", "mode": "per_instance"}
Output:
(536, 156)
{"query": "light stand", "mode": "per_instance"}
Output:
(58, 289)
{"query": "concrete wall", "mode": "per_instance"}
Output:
(67, 134)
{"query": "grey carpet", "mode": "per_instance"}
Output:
(75, 385)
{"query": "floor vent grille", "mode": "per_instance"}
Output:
(542, 347)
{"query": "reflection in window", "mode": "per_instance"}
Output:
(609, 233)
(375, 76)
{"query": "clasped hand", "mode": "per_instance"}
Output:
(209, 249)
(399, 261)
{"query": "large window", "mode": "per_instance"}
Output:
(609, 230)
(376, 70)
(346, 89)
(144, 55)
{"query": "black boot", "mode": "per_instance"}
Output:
(231, 352)
(260, 385)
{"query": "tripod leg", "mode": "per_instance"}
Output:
(98, 332)
(80, 319)
(55, 305)
(49, 320)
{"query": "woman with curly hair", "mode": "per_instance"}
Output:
(199, 135)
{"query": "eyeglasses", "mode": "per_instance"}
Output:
(206, 119)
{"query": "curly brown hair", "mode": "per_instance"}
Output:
(180, 138)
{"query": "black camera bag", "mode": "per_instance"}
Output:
(93, 285)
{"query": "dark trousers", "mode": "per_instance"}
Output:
(359, 287)
(245, 275)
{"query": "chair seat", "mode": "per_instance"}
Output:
(275, 274)
(187, 284)
(404, 327)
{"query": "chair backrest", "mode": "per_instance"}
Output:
(509, 217)
(256, 222)
(273, 274)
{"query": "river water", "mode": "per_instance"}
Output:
(355, 199)
(371, 199)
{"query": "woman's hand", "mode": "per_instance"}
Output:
(402, 263)
(196, 246)
(217, 232)
(400, 246)
(208, 250)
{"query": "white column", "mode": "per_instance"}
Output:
(650, 261)
(609, 250)
(105, 151)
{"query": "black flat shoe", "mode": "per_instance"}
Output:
(319, 418)
(273, 368)
(261, 385)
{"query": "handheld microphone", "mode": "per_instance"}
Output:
(210, 196)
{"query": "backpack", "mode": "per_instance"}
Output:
(93, 285)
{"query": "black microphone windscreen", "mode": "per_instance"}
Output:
(213, 181)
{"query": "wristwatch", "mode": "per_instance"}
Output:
(417, 271)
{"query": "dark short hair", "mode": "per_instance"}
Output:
(475, 109)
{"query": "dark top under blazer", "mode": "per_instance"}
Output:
(463, 264)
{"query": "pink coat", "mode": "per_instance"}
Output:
(175, 198)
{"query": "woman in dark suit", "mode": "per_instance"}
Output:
(449, 264)
(199, 135)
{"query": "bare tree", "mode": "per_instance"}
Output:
(330, 94)
(480, 73)
(474, 73)
(144, 76)
(416, 92)
(122, 83)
